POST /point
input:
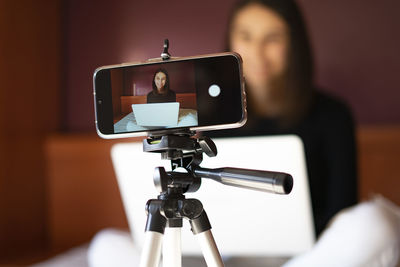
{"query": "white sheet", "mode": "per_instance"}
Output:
(187, 117)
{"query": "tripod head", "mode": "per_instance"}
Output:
(186, 152)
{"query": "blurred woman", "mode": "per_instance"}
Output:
(271, 37)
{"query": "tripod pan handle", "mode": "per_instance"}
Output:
(267, 181)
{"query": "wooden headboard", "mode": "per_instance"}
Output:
(379, 160)
(84, 197)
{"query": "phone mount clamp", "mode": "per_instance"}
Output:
(165, 55)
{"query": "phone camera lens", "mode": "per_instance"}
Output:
(214, 90)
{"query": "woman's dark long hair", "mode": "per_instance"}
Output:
(299, 74)
(166, 86)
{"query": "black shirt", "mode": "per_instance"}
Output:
(327, 132)
(154, 97)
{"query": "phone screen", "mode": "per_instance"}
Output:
(202, 92)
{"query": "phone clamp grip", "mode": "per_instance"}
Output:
(165, 55)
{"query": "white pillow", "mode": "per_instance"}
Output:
(367, 234)
(111, 247)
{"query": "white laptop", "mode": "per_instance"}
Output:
(156, 114)
(244, 222)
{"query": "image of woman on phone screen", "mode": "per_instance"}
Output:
(161, 92)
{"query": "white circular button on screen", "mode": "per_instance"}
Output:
(214, 90)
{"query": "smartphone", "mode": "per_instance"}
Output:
(160, 97)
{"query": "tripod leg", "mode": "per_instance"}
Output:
(151, 252)
(209, 249)
(201, 228)
(155, 227)
(172, 247)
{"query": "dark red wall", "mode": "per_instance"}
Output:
(356, 46)
(355, 43)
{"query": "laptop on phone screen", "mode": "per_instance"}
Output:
(156, 114)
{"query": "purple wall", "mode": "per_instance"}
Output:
(356, 47)
(355, 43)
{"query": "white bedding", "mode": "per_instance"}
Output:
(75, 257)
(187, 117)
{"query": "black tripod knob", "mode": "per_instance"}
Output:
(160, 178)
(208, 146)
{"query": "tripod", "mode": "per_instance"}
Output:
(166, 213)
